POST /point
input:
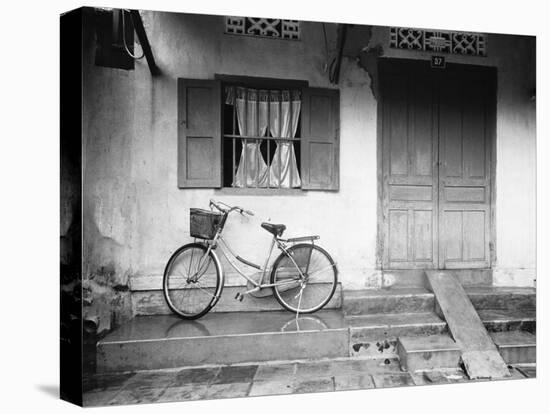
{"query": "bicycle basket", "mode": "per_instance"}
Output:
(204, 223)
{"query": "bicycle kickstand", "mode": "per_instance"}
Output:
(240, 296)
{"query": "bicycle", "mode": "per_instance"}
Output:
(303, 277)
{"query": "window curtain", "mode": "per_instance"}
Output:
(283, 122)
(251, 106)
(253, 119)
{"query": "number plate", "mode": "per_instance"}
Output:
(438, 62)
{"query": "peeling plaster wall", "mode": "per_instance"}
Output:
(135, 216)
(109, 201)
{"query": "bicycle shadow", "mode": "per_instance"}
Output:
(307, 323)
(304, 323)
(186, 328)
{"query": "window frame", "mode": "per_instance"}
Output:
(255, 82)
(261, 83)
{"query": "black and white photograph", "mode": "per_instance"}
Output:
(274, 206)
(278, 205)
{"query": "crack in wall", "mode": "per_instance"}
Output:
(359, 48)
(368, 61)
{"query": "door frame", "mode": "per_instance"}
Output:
(424, 65)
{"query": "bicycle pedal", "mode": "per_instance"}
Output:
(239, 296)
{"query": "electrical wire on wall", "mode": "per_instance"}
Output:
(334, 67)
(328, 67)
(325, 66)
(124, 39)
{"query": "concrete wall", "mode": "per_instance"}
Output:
(135, 216)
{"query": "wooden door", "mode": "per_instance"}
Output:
(465, 138)
(436, 135)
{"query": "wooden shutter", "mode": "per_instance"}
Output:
(199, 133)
(320, 150)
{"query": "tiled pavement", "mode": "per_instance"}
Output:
(266, 379)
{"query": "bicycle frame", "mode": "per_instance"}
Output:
(228, 254)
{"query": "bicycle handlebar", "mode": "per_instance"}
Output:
(226, 209)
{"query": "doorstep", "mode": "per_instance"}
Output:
(166, 341)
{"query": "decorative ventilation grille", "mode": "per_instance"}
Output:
(460, 43)
(273, 28)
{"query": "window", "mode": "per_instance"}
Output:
(261, 137)
(269, 135)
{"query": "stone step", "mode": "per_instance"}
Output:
(152, 302)
(516, 347)
(502, 298)
(417, 299)
(395, 300)
(165, 341)
(508, 320)
(417, 277)
(376, 335)
(422, 353)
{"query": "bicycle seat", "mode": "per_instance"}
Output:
(275, 229)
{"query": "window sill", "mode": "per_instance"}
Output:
(261, 191)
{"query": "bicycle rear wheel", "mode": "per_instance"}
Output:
(192, 282)
(305, 279)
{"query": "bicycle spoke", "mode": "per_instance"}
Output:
(312, 272)
(287, 282)
(181, 300)
(320, 270)
(183, 292)
(204, 290)
(179, 286)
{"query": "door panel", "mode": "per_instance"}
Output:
(399, 228)
(436, 166)
(422, 235)
(464, 174)
(408, 163)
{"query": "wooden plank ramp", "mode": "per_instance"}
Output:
(479, 354)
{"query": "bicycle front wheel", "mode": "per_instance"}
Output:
(304, 278)
(192, 282)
